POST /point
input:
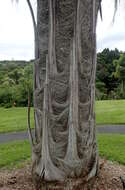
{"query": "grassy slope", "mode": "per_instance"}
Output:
(14, 119)
(110, 112)
(13, 154)
(112, 147)
(107, 112)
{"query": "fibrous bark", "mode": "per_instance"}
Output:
(64, 88)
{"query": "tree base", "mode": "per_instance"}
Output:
(69, 184)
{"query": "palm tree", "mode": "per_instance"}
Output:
(64, 92)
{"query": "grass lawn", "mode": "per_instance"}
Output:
(14, 154)
(107, 112)
(112, 147)
(110, 112)
(14, 119)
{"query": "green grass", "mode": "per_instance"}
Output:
(110, 112)
(112, 147)
(107, 112)
(14, 119)
(14, 154)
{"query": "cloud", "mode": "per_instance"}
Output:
(112, 42)
(16, 30)
(111, 35)
(16, 51)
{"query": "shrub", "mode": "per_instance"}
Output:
(8, 105)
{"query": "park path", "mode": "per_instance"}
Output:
(113, 129)
(23, 135)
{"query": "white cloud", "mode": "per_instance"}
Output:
(109, 34)
(16, 30)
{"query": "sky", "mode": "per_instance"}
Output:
(111, 35)
(17, 38)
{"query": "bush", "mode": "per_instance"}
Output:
(5, 95)
(2, 105)
(8, 105)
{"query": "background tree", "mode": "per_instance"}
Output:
(105, 79)
(15, 75)
(120, 74)
(16, 81)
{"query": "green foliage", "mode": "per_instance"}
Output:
(120, 75)
(5, 94)
(104, 74)
(8, 105)
(100, 90)
(16, 80)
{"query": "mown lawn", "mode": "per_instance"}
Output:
(107, 112)
(112, 147)
(14, 154)
(14, 119)
(110, 112)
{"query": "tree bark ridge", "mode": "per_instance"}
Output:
(64, 90)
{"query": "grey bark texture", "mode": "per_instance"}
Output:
(64, 92)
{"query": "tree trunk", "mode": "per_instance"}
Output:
(64, 86)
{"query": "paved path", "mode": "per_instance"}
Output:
(7, 137)
(111, 129)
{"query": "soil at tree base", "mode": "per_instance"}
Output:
(107, 179)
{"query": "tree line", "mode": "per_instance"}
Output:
(110, 75)
(16, 79)
(15, 82)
